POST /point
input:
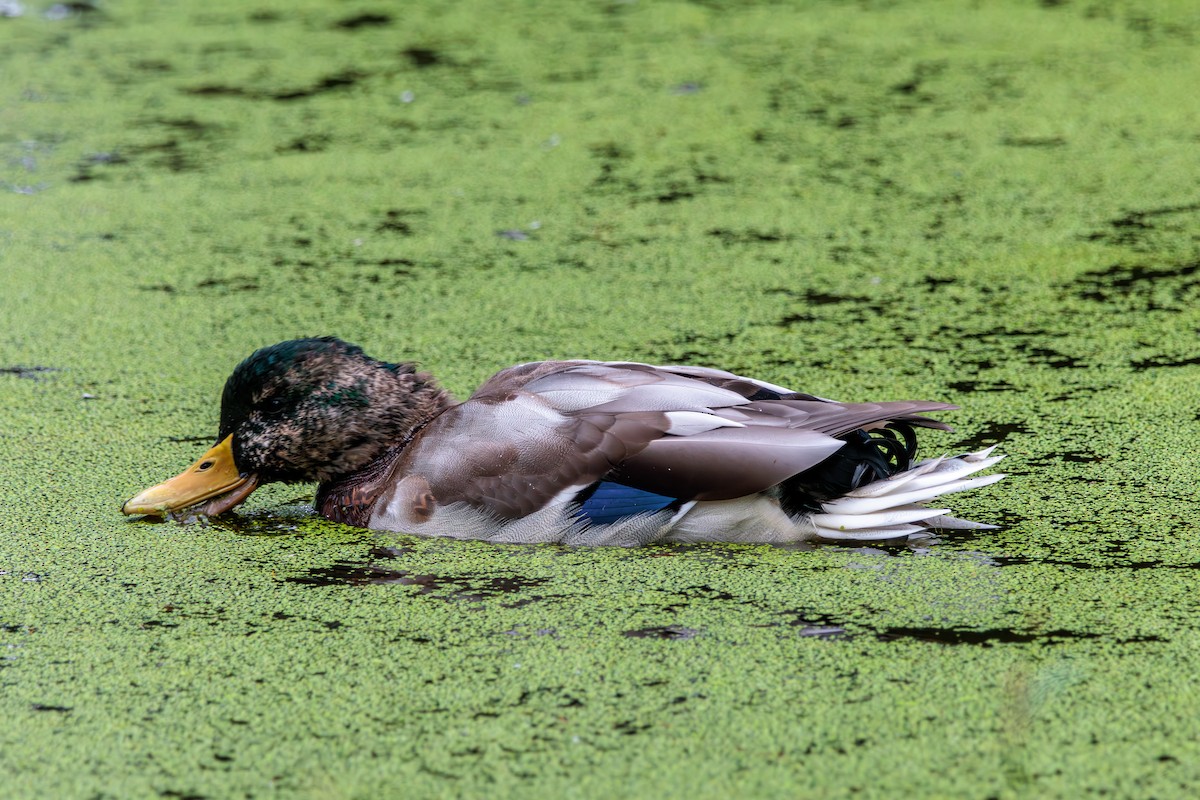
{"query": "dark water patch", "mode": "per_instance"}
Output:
(331, 83)
(989, 637)
(86, 168)
(690, 348)
(994, 433)
(182, 795)
(630, 727)
(365, 20)
(706, 593)
(813, 297)
(1107, 565)
(309, 143)
(424, 57)
(971, 387)
(255, 525)
(791, 320)
(551, 632)
(1160, 361)
(933, 283)
(861, 307)
(1050, 357)
(388, 553)
(728, 236)
(1028, 343)
(609, 151)
(688, 182)
(220, 90)
(815, 625)
(191, 126)
(235, 283)
(662, 632)
(996, 333)
(152, 65)
(572, 262)
(911, 87)
(610, 155)
(450, 588)
(978, 364)
(1067, 457)
(1081, 392)
(400, 267)
(157, 623)
(29, 373)
(1134, 226)
(1135, 282)
(396, 220)
(513, 235)
(56, 709)
(1033, 141)
(822, 631)
(170, 155)
(675, 195)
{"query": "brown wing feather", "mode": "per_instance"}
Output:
(515, 469)
(535, 430)
(832, 418)
(725, 463)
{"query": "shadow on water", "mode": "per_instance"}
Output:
(450, 588)
(994, 433)
(280, 521)
(815, 625)
(989, 637)
(662, 632)
(29, 373)
(823, 626)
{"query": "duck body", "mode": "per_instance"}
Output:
(573, 452)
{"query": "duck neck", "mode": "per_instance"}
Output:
(403, 402)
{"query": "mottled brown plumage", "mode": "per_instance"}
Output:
(572, 451)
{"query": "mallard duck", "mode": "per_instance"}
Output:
(576, 452)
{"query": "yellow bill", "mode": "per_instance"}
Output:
(213, 483)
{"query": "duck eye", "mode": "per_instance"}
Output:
(273, 404)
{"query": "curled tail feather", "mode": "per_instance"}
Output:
(893, 507)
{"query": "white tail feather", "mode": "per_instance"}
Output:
(953, 524)
(950, 469)
(869, 534)
(865, 505)
(890, 508)
(979, 454)
(892, 516)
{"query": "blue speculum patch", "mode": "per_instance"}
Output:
(610, 502)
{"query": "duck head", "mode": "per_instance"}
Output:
(305, 410)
